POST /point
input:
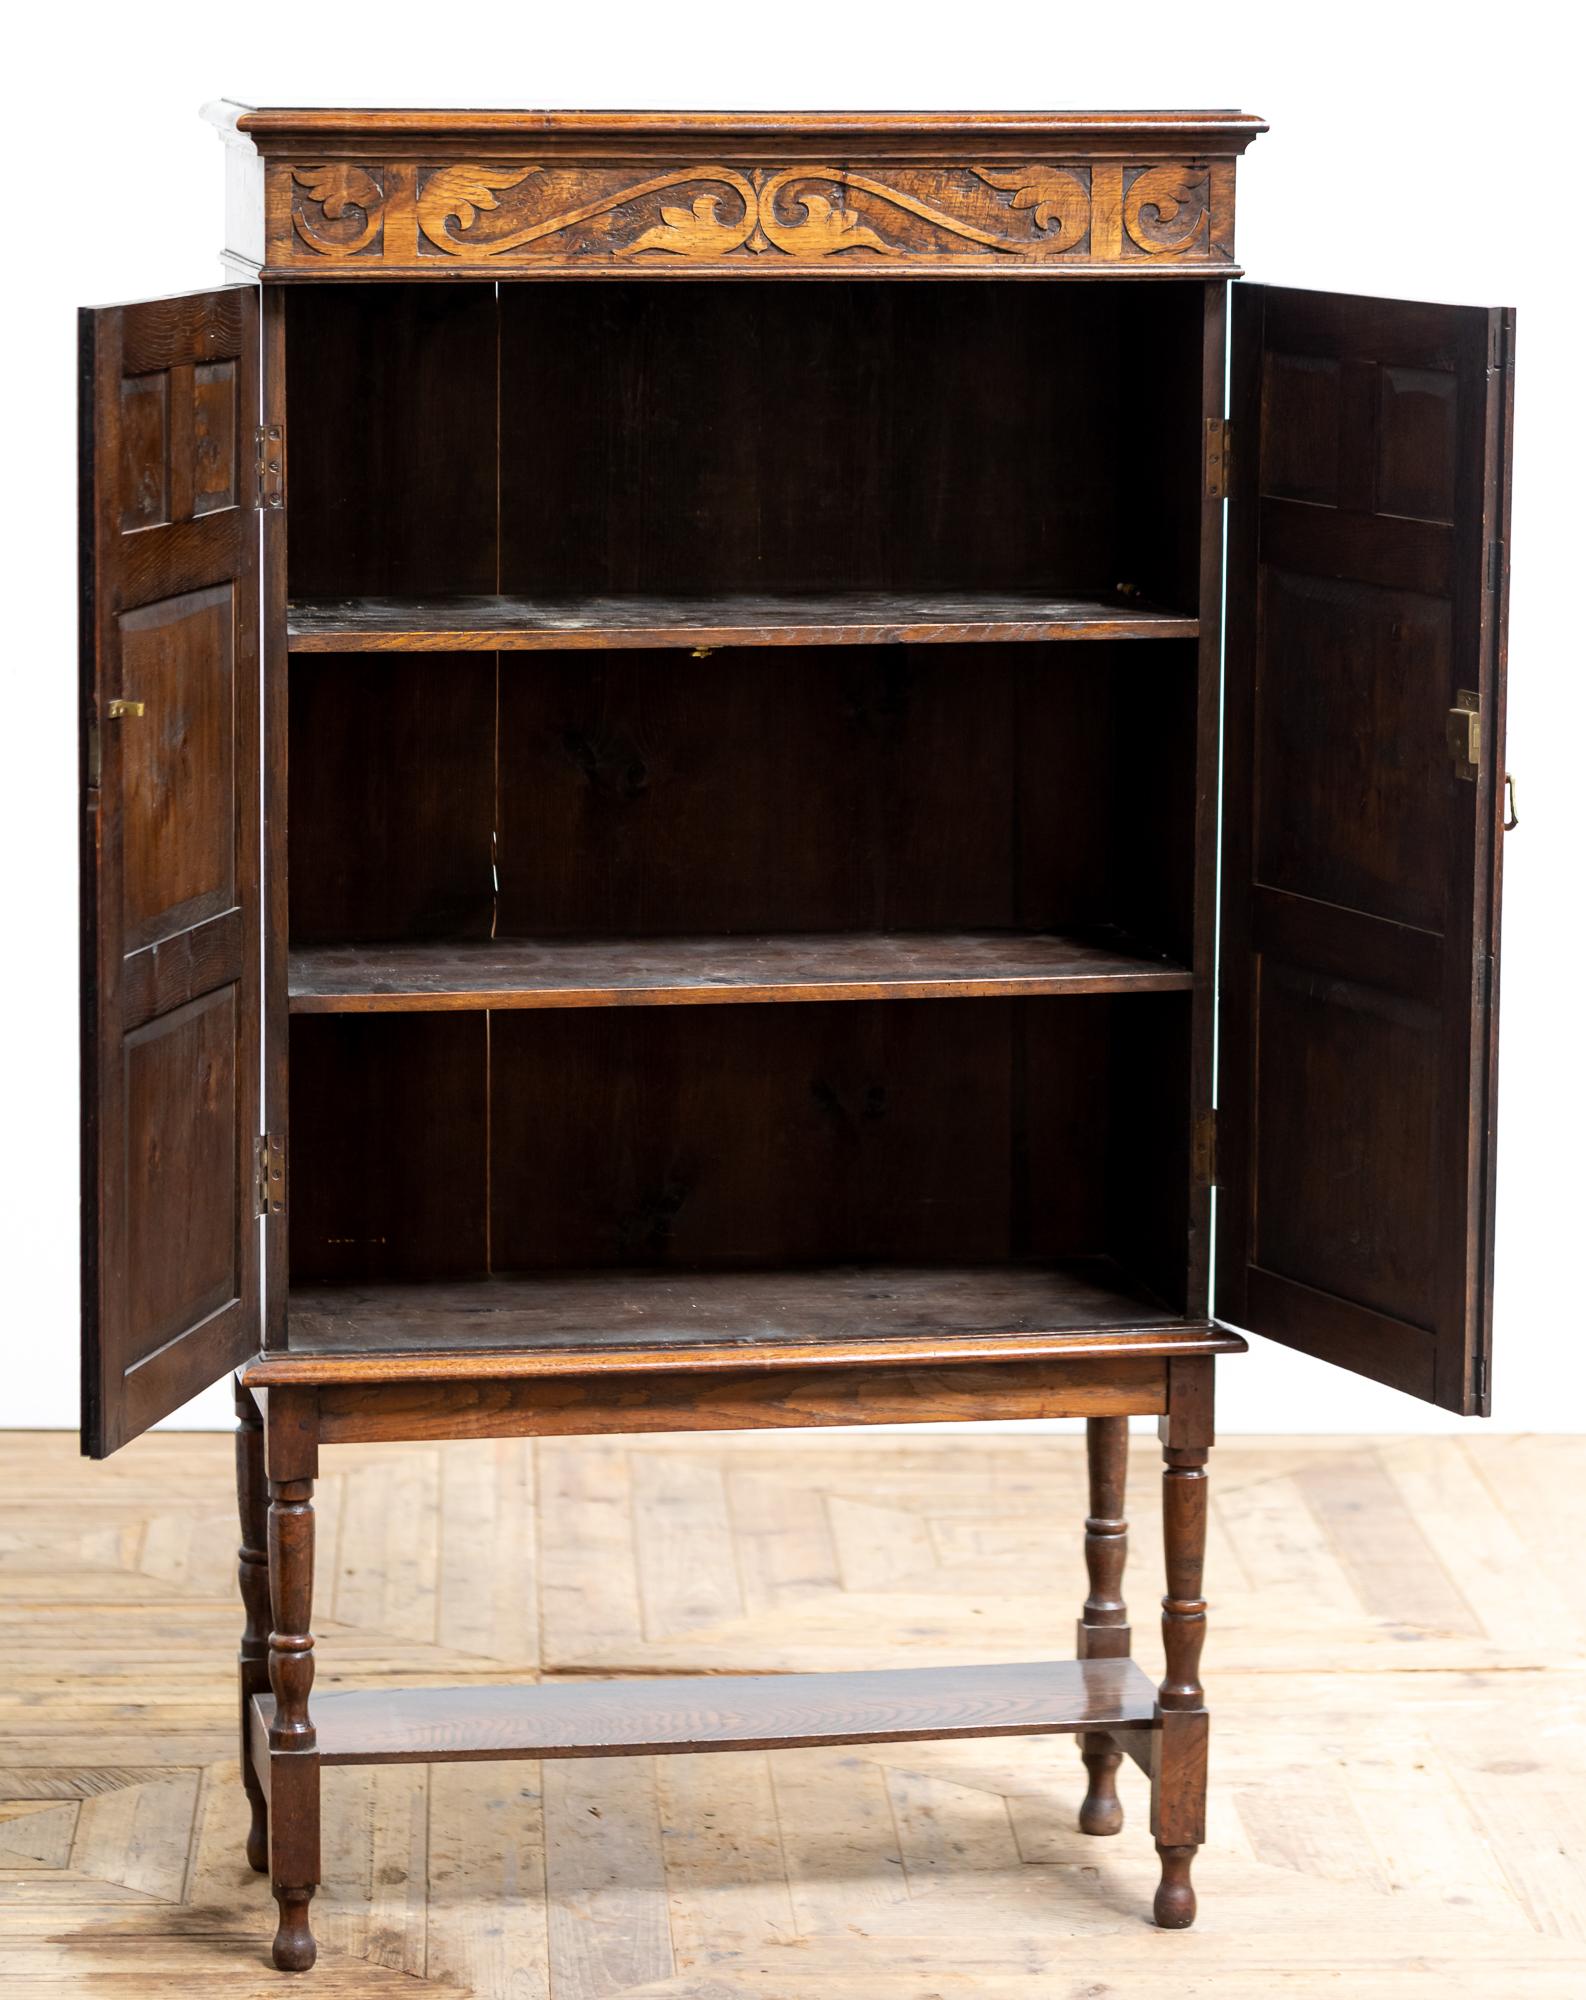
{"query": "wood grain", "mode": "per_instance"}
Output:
(524, 624)
(169, 853)
(756, 1397)
(1360, 869)
(1374, 1828)
(747, 1712)
(772, 1314)
(659, 972)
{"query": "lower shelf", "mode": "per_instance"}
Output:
(648, 1718)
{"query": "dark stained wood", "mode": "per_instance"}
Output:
(444, 1145)
(1200, 1052)
(505, 973)
(1359, 863)
(655, 1716)
(769, 1137)
(393, 440)
(277, 814)
(1104, 1622)
(755, 1397)
(867, 789)
(170, 861)
(253, 1581)
(520, 624)
(1178, 1750)
(292, 1464)
(566, 786)
(316, 1366)
(389, 1168)
(393, 797)
(836, 440)
(565, 1313)
(1103, 1630)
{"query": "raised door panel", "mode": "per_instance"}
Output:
(170, 973)
(1367, 581)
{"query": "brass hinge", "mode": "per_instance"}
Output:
(269, 446)
(272, 1176)
(1204, 1162)
(1217, 450)
(1464, 733)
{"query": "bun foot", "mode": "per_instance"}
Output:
(1174, 1908)
(259, 1837)
(1101, 1813)
(294, 1948)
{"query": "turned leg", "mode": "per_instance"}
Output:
(253, 1580)
(1103, 1632)
(1178, 1793)
(294, 1756)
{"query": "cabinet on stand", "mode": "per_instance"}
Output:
(658, 698)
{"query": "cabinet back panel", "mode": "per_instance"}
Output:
(925, 1132)
(841, 789)
(683, 438)
(841, 437)
(851, 789)
(388, 1167)
(391, 439)
(392, 777)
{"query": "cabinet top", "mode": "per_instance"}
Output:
(270, 127)
(351, 194)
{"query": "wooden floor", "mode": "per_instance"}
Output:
(1397, 1672)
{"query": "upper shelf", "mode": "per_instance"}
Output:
(523, 624)
(501, 973)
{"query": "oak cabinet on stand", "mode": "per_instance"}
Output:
(660, 688)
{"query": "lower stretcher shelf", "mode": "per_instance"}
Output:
(653, 1717)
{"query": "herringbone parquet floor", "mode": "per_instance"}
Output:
(1397, 1670)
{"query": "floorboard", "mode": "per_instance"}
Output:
(1399, 1763)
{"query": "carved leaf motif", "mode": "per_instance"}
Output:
(1061, 200)
(463, 191)
(338, 189)
(697, 231)
(1157, 198)
(826, 228)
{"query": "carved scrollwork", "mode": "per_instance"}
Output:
(827, 227)
(342, 194)
(1059, 198)
(567, 213)
(699, 230)
(462, 192)
(1159, 198)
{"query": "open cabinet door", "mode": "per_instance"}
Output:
(170, 853)
(1363, 780)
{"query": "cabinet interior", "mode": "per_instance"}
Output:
(518, 876)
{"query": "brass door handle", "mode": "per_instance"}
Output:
(119, 708)
(1512, 820)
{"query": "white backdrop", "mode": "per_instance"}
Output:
(1418, 152)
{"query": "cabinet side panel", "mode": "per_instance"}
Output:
(273, 667)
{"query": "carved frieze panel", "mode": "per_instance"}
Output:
(589, 215)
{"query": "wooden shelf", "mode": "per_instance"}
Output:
(556, 1322)
(692, 972)
(652, 1717)
(522, 624)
